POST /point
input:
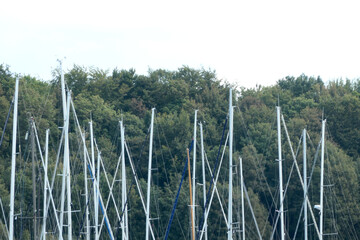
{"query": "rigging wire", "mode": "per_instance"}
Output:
(87, 203)
(30, 109)
(259, 167)
(342, 193)
(308, 185)
(178, 192)
(6, 121)
(92, 178)
(157, 123)
(212, 179)
(132, 182)
(155, 193)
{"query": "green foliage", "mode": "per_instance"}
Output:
(343, 114)
(108, 97)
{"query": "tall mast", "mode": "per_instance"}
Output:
(67, 162)
(242, 199)
(45, 182)
(63, 183)
(280, 175)
(62, 196)
(93, 175)
(123, 185)
(305, 186)
(149, 174)
(230, 166)
(203, 172)
(87, 233)
(322, 179)
(191, 200)
(194, 170)
(33, 179)
(98, 190)
(63, 93)
(13, 162)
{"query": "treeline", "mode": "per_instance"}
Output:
(108, 97)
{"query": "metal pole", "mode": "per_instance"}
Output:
(305, 186)
(123, 185)
(149, 175)
(191, 199)
(45, 182)
(94, 185)
(322, 179)
(67, 160)
(33, 180)
(63, 182)
(230, 221)
(63, 93)
(194, 170)
(98, 192)
(62, 196)
(87, 233)
(280, 176)
(203, 172)
(13, 162)
(242, 199)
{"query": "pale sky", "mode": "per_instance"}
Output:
(247, 42)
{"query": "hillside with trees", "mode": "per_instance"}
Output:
(105, 98)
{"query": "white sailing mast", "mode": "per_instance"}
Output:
(149, 175)
(34, 195)
(230, 199)
(305, 186)
(125, 231)
(66, 167)
(281, 191)
(242, 199)
(87, 232)
(13, 162)
(45, 183)
(322, 179)
(93, 176)
(67, 172)
(194, 170)
(97, 171)
(203, 172)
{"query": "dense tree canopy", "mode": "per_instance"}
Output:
(122, 95)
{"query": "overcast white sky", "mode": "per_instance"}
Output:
(248, 42)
